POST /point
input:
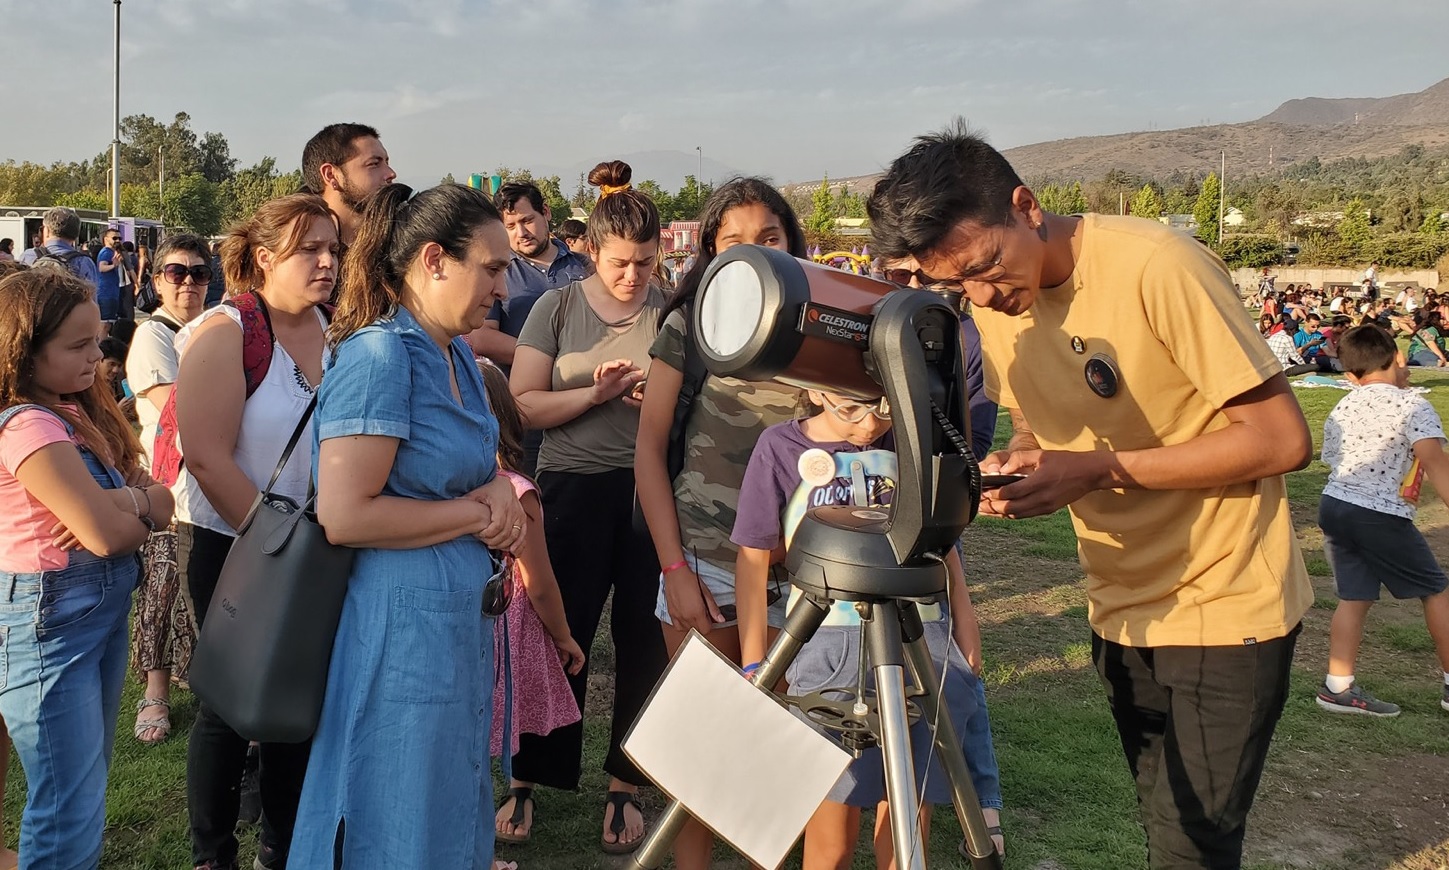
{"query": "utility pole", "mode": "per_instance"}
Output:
(116, 128)
(161, 185)
(699, 179)
(1222, 194)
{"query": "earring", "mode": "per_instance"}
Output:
(437, 276)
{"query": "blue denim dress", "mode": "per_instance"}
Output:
(399, 772)
(62, 662)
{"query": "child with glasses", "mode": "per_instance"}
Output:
(843, 455)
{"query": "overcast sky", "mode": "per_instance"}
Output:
(786, 88)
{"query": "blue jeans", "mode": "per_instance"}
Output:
(62, 661)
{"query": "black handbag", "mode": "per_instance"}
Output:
(261, 659)
(147, 299)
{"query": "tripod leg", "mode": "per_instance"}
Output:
(883, 640)
(804, 619)
(948, 745)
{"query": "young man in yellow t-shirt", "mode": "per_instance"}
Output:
(1144, 401)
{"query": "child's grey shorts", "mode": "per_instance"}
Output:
(1367, 549)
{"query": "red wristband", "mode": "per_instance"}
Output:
(675, 567)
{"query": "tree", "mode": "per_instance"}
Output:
(1146, 203)
(689, 201)
(239, 196)
(1067, 199)
(192, 202)
(1251, 250)
(584, 196)
(448, 179)
(1433, 224)
(822, 210)
(1205, 210)
(663, 199)
(1355, 229)
(216, 163)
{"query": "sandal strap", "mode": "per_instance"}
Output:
(520, 795)
(152, 702)
(619, 800)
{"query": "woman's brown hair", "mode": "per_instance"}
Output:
(395, 227)
(621, 212)
(33, 305)
(510, 420)
(279, 226)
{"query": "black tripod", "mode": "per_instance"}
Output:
(894, 641)
(886, 564)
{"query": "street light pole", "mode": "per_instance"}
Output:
(161, 185)
(116, 130)
(699, 179)
(1222, 194)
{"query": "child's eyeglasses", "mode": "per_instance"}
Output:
(498, 591)
(854, 412)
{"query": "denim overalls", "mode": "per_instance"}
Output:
(62, 663)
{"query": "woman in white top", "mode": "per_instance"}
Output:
(285, 259)
(163, 635)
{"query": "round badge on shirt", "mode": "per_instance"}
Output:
(817, 467)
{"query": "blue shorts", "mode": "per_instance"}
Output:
(831, 660)
(721, 586)
(110, 308)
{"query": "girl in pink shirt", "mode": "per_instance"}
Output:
(78, 508)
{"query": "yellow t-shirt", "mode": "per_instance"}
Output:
(1209, 567)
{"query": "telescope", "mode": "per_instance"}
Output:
(761, 315)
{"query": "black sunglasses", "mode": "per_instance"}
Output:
(176, 273)
(498, 591)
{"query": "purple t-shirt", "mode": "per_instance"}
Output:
(775, 492)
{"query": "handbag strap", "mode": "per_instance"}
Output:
(292, 444)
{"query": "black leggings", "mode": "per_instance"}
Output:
(588, 520)
(216, 755)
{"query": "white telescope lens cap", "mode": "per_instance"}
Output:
(730, 308)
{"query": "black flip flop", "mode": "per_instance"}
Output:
(619, 800)
(520, 796)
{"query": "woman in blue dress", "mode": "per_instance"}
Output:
(399, 773)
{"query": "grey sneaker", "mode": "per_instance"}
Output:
(1355, 700)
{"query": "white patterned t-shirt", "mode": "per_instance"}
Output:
(1368, 444)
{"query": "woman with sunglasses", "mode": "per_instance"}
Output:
(163, 636)
(407, 474)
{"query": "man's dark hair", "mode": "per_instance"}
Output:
(333, 144)
(571, 229)
(1366, 349)
(1313, 318)
(945, 178)
(509, 194)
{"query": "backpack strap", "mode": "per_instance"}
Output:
(695, 374)
(258, 343)
(161, 317)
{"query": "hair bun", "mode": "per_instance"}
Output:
(611, 173)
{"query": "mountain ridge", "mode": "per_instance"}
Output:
(1326, 128)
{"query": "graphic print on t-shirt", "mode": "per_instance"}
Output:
(875, 468)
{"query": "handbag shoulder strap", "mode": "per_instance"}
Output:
(292, 444)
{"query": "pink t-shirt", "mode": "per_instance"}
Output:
(25, 538)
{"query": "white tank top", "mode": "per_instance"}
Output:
(270, 417)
